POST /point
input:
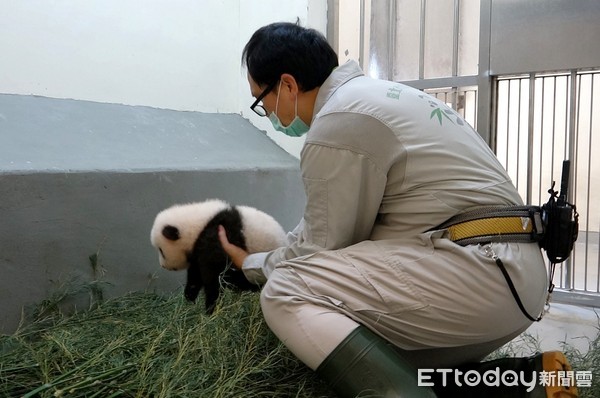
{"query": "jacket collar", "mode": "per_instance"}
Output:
(340, 75)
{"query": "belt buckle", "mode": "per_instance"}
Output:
(538, 230)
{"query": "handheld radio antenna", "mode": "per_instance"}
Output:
(564, 181)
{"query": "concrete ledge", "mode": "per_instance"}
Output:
(79, 178)
(54, 135)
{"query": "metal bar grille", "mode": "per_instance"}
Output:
(542, 119)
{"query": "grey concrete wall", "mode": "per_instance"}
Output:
(79, 178)
(542, 35)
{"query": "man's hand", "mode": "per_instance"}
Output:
(237, 254)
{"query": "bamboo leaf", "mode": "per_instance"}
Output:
(437, 112)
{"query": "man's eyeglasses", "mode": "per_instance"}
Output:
(258, 108)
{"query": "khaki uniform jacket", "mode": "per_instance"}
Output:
(384, 161)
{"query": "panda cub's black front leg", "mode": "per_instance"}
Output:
(194, 283)
(211, 288)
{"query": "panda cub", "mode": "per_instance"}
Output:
(186, 237)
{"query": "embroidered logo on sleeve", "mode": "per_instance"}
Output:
(394, 92)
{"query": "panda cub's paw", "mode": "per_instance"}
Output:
(191, 292)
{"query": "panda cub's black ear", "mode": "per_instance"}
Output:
(170, 232)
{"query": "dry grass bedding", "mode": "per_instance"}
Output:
(152, 345)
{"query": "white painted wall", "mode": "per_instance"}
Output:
(174, 54)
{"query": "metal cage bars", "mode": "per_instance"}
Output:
(541, 119)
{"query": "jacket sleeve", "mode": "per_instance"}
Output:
(344, 189)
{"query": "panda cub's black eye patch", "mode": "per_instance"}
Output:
(170, 232)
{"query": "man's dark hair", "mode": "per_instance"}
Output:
(285, 47)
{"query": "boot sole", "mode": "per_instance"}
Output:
(554, 362)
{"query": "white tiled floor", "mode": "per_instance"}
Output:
(570, 324)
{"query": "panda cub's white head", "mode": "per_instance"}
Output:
(176, 229)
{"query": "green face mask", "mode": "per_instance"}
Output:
(297, 128)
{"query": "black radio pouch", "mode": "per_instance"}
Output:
(561, 222)
(560, 228)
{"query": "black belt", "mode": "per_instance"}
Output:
(496, 224)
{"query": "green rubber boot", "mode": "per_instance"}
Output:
(365, 365)
(543, 375)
